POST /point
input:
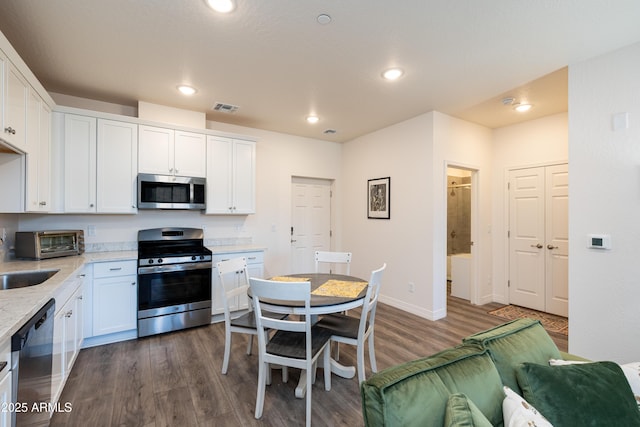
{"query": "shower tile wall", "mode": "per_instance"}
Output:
(458, 215)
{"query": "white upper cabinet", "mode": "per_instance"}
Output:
(38, 197)
(231, 176)
(14, 105)
(117, 157)
(100, 158)
(79, 164)
(167, 152)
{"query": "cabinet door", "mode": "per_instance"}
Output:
(15, 107)
(79, 163)
(219, 166)
(5, 397)
(117, 166)
(244, 177)
(72, 329)
(33, 152)
(44, 159)
(155, 152)
(58, 363)
(114, 304)
(190, 154)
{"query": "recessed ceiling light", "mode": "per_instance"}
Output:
(523, 107)
(312, 119)
(186, 90)
(323, 19)
(222, 6)
(393, 73)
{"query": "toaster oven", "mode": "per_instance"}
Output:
(49, 244)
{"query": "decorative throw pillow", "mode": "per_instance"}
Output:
(517, 412)
(631, 372)
(588, 394)
(462, 412)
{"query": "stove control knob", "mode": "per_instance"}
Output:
(150, 261)
(159, 260)
(201, 256)
(193, 258)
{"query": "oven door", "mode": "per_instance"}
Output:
(174, 288)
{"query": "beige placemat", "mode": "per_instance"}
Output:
(340, 288)
(290, 279)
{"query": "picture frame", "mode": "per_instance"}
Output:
(379, 198)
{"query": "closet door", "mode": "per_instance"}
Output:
(538, 238)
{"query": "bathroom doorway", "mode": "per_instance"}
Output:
(459, 233)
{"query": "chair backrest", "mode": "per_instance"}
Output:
(284, 291)
(232, 269)
(368, 315)
(333, 258)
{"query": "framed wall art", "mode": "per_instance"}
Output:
(379, 198)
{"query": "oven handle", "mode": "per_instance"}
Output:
(174, 267)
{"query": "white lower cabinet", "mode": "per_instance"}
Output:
(67, 332)
(5, 382)
(255, 265)
(114, 296)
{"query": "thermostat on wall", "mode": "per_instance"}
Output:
(599, 241)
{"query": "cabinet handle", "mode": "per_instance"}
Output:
(133, 283)
(82, 275)
(539, 246)
(115, 269)
(550, 247)
(69, 313)
(80, 297)
(251, 257)
(43, 203)
(90, 205)
(10, 130)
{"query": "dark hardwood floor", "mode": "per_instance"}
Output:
(174, 379)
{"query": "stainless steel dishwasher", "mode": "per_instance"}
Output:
(31, 363)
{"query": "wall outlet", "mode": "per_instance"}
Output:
(412, 287)
(91, 230)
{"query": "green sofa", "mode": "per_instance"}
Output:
(419, 393)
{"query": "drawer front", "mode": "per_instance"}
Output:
(5, 356)
(115, 268)
(254, 257)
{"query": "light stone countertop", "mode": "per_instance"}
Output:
(17, 306)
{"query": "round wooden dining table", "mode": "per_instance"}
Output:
(320, 304)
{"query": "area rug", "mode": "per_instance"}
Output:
(550, 322)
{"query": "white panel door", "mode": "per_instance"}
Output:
(526, 241)
(190, 154)
(557, 240)
(155, 150)
(539, 238)
(311, 222)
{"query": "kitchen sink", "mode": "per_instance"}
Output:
(22, 279)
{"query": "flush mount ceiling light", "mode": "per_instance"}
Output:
(312, 119)
(323, 19)
(521, 108)
(186, 90)
(222, 6)
(392, 73)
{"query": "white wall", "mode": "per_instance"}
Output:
(604, 188)
(414, 154)
(533, 143)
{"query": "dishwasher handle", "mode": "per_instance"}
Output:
(20, 338)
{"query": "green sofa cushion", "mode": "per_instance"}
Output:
(416, 393)
(462, 412)
(513, 343)
(590, 394)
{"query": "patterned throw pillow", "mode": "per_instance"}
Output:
(517, 412)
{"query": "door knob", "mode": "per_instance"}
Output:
(539, 246)
(550, 247)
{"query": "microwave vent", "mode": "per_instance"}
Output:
(225, 108)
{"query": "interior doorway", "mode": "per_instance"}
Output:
(460, 211)
(310, 221)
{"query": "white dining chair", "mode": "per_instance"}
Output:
(355, 331)
(235, 270)
(295, 344)
(326, 257)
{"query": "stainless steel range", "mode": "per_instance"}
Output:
(174, 280)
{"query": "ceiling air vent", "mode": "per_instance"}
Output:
(225, 108)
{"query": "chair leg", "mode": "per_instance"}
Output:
(308, 413)
(261, 389)
(360, 361)
(327, 367)
(336, 354)
(372, 354)
(250, 344)
(227, 351)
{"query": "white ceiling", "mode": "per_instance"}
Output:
(278, 64)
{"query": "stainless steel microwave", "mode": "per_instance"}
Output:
(170, 192)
